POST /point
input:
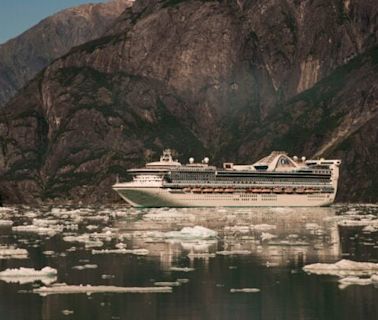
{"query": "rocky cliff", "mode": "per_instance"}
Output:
(24, 56)
(232, 79)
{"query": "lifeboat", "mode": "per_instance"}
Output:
(266, 190)
(310, 190)
(248, 190)
(278, 190)
(186, 189)
(289, 190)
(208, 190)
(196, 190)
(299, 190)
(220, 190)
(256, 190)
(229, 190)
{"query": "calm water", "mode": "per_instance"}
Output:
(276, 244)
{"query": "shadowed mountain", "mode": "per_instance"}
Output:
(24, 56)
(232, 79)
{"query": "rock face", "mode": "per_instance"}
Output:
(24, 56)
(229, 79)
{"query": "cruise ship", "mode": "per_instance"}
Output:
(274, 181)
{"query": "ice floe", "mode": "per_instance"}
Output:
(46, 275)
(13, 253)
(179, 269)
(63, 288)
(245, 290)
(196, 232)
(43, 231)
(263, 227)
(6, 223)
(138, 252)
(343, 268)
(85, 266)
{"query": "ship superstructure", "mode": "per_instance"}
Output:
(275, 180)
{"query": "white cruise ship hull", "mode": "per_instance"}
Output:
(165, 197)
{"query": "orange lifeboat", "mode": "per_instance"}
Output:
(208, 190)
(266, 190)
(196, 190)
(309, 190)
(229, 190)
(220, 190)
(186, 189)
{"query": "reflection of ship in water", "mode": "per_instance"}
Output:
(272, 236)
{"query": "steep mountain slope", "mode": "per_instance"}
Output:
(22, 57)
(232, 79)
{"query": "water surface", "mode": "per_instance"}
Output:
(275, 244)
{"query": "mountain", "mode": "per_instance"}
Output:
(227, 79)
(24, 56)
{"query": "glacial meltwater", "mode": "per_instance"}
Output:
(109, 263)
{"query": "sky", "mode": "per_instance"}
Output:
(16, 16)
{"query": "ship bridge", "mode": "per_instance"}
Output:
(276, 161)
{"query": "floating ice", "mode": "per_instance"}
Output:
(240, 229)
(63, 288)
(6, 223)
(233, 252)
(263, 227)
(245, 290)
(267, 236)
(43, 231)
(67, 312)
(203, 255)
(343, 268)
(345, 282)
(196, 232)
(26, 275)
(167, 283)
(138, 252)
(86, 239)
(13, 253)
(178, 269)
(165, 215)
(86, 266)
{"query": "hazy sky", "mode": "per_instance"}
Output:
(16, 16)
